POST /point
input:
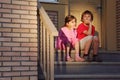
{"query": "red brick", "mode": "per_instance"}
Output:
(29, 17)
(33, 3)
(11, 54)
(20, 2)
(20, 39)
(33, 12)
(5, 20)
(10, 44)
(20, 68)
(33, 78)
(5, 58)
(5, 11)
(29, 63)
(0, 34)
(33, 49)
(5, 49)
(0, 23)
(5, 29)
(11, 63)
(11, 15)
(11, 25)
(29, 44)
(5, 78)
(5, 74)
(29, 73)
(0, 53)
(20, 11)
(0, 63)
(33, 40)
(33, 21)
(5, 1)
(20, 58)
(29, 8)
(28, 53)
(5, 39)
(31, 0)
(28, 26)
(0, 16)
(33, 68)
(21, 78)
(5, 68)
(21, 30)
(20, 49)
(11, 34)
(20, 21)
(33, 30)
(0, 5)
(28, 35)
(11, 6)
(33, 59)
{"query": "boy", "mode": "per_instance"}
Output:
(86, 35)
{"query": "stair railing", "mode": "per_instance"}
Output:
(47, 34)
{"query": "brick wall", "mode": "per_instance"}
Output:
(18, 40)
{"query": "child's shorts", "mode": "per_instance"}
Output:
(84, 40)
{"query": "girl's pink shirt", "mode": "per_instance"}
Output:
(66, 35)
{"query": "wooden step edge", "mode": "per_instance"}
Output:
(88, 76)
(65, 62)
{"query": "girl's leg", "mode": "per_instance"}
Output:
(68, 57)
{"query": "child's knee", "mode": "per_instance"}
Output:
(90, 37)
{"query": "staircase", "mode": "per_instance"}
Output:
(109, 69)
(52, 66)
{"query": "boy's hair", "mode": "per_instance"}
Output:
(87, 12)
(69, 18)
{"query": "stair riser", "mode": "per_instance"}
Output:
(106, 57)
(87, 69)
(89, 79)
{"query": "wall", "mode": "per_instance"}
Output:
(61, 7)
(18, 40)
(109, 25)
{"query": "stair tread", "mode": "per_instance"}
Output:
(65, 62)
(88, 76)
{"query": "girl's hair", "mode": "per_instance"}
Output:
(87, 12)
(69, 18)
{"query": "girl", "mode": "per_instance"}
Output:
(86, 35)
(67, 38)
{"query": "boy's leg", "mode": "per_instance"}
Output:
(95, 45)
(95, 49)
(85, 44)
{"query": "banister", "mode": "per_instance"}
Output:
(47, 33)
(48, 22)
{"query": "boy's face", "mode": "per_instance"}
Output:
(87, 18)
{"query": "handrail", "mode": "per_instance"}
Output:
(47, 33)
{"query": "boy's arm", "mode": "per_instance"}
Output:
(89, 31)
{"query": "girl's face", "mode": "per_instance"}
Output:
(72, 23)
(87, 18)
